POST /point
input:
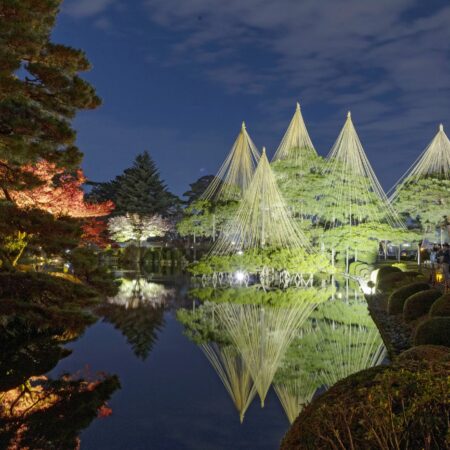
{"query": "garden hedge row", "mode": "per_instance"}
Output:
(419, 304)
(398, 298)
(441, 307)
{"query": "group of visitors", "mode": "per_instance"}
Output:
(440, 262)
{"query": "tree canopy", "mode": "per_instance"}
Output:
(139, 189)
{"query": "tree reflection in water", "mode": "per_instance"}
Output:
(300, 348)
(137, 311)
(42, 413)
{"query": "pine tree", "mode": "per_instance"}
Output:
(139, 190)
(40, 91)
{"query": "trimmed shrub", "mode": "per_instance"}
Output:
(384, 270)
(398, 298)
(427, 353)
(434, 331)
(359, 269)
(395, 280)
(405, 403)
(419, 304)
(441, 307)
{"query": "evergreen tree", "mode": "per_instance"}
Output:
(198, 188)
(139, 190)
(40, 92)
(425, 202)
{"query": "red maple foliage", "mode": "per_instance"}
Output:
(104, 411)
(95, 231)
(59, 193)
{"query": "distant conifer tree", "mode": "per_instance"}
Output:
(139, 190)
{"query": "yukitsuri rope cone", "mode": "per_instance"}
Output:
(262, 336)
(357, 194)
(262, 219)
(234, 374)
(433, 161)
(236, 172)
(296, 144)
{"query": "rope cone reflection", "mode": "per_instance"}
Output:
(295, 394)
(262, 336)
(235, 376)
(351, 348)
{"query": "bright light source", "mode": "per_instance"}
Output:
(374, 275)
(240, 276)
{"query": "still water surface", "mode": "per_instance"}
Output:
(171, 395)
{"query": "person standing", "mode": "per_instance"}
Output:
(433, 263)
(446, 264)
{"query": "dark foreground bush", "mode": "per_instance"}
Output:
(398, 297)
(34, 304)
(40, 288)
(419, 304)
(441, 307)
(403, 406)
(434, 331)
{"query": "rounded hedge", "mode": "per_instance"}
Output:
(434, 331)
(398, 298)
(385, 270)
(396, 279)
(360, 269)
(441, 307)
(426, 353)
(419, 304)
(405, 402)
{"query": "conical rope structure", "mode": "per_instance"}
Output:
(234, 374)
(433, 161)
(356, 195)
(296, 144)
(236, 172)
(262, 336)
(262, 219)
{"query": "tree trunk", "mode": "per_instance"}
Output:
(17, 258)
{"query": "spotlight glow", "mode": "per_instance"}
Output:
(240, 276)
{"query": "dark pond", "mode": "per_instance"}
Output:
(192, 371)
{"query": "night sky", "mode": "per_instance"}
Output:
(177, 77)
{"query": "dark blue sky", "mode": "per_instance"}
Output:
(177, 77)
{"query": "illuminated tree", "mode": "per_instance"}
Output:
(24, 228)
(38, 102)
(59, 193)
(207, 213)
(422, 194)
(137, 228)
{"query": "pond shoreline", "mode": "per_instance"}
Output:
(395, 334)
